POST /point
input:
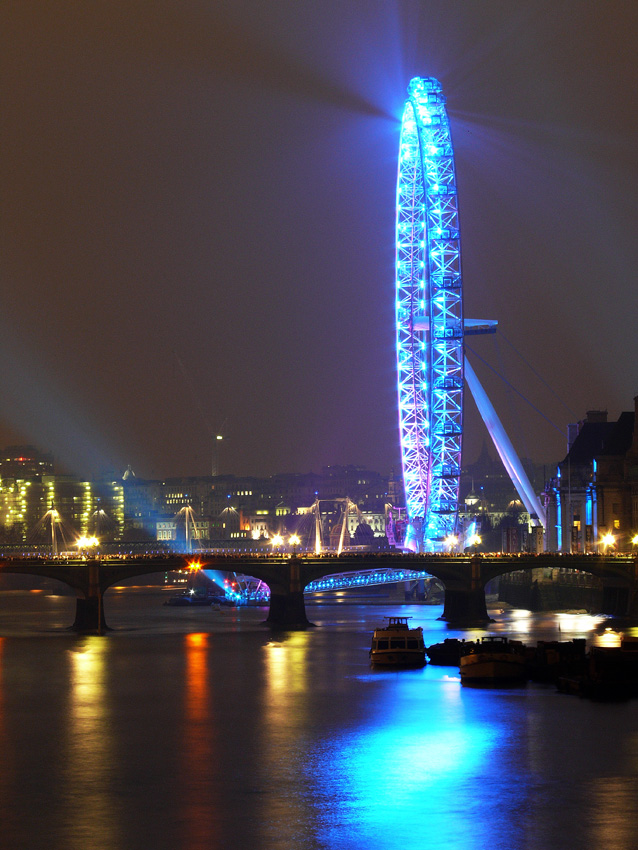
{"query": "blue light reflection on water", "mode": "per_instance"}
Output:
(429, 746)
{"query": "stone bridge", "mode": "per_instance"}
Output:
(463, 576)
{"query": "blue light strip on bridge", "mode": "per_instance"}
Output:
(364, 579)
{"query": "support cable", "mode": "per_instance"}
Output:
(540, 377)
(514, 409)
(518, 392)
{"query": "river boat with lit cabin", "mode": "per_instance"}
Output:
(397, 645)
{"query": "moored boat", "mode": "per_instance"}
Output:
(447, 653)
(551, 660)
(397, 645)
(493, 659)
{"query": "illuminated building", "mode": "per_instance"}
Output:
(86, 508)
(24, 463)
(172, 529)
(375, 522)
(244, 507)
(595, 491)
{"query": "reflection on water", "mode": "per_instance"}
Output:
(198, 762)
(200, 730)
(612, 798)
(89, 770)
(287, 713)
(373, 780)
(6, 750)
(608, 638)
(287, 669)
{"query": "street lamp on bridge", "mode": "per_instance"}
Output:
(475, 542)
(451, 542)
(294, 542)
(87, 544)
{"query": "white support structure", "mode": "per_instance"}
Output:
(504, 447)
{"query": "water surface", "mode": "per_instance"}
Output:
(204, 729)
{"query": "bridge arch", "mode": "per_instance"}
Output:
(90, 579)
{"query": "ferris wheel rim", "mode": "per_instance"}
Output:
(429, 316)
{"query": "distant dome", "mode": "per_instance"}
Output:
(516, 506)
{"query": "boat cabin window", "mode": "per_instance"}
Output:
(397, 643)
(413, 644)
(382, 644)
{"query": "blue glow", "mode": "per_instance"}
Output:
(429, 318)
(559, 522)
(216, 576)
(366, 578)
(373, 777)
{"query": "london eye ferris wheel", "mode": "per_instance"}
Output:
(432, 369)
(429, 319)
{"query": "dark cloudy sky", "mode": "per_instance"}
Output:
(198, 222)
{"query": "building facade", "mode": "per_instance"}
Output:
(592, 501)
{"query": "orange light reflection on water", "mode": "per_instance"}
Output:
(197, 765)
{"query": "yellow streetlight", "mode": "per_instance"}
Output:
(451, 541)
(294, 542)
(607, 540)
(87, 542)
(277, 540)
(634, 540)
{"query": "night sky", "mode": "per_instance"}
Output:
(198, 223)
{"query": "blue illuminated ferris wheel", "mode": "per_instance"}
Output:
(429, 319)
(431, 364)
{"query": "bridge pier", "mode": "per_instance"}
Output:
(465, 607)
(287, 610)
(89, 609)
(287, 604)
(89, 616)
(464, 603)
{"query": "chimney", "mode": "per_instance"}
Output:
(596, 416)
(572, 432)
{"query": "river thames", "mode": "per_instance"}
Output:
(200, 728)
